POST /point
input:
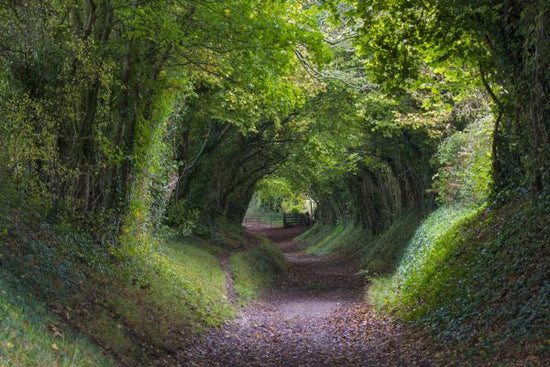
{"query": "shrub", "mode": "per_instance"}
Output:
(464, 160)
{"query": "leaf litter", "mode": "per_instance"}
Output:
(297, 324)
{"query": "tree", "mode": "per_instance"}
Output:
(99, 85)
(505, 41)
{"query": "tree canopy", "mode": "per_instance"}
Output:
(135, 112)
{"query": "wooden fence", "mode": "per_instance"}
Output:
(296, 219)
(285, 220)
(264, 220)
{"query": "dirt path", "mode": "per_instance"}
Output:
(314, 316)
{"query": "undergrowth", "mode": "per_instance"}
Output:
(479, 280)
(314, 234)
(134, 308)
(383, 289)
(30, 335)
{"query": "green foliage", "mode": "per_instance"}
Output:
(384, 252)
(259, 213)
(178, 287)
(476, 278)
(386, 290)
(117, 115)
(130, 307)
(367, 157)
(96, 98)
(255, 269)
(195, 262)
(428, 234)
(381, 291)
(329, 243)
(314, 234)
(277, 195)
(465, 169)
(183, 219)
(437, 46)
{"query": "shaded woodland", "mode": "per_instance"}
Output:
(134, 136)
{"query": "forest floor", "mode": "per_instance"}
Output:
(315, 315)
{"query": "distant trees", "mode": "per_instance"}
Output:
(368, 156)
(222, 182)
(434, 71)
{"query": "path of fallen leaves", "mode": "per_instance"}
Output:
(314, 316)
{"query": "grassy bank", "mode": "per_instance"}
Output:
(133, 307)
(31, 335)
(144, 305)
(255, 269)
(378, 254)
(478, 279)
